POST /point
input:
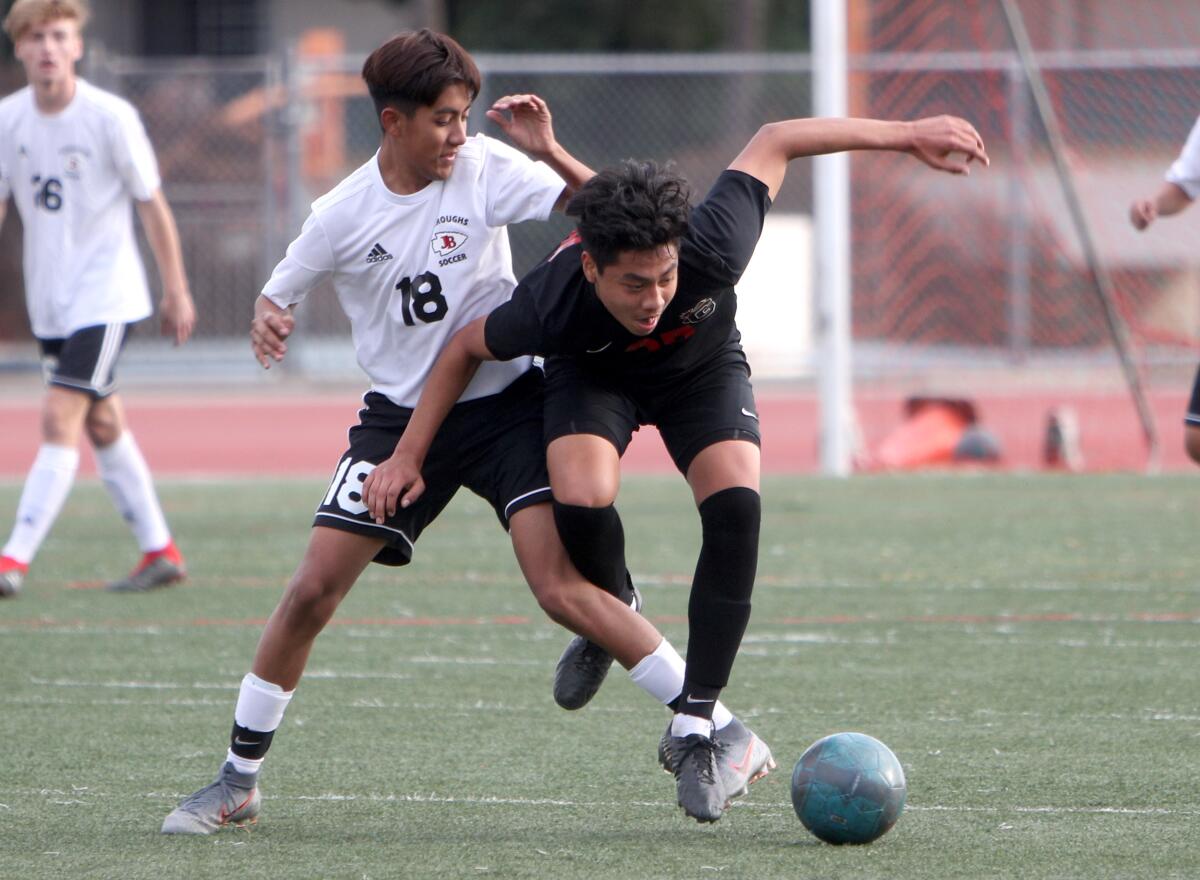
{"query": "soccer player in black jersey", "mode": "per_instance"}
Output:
(635, 317)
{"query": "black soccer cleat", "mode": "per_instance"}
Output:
(583, 667)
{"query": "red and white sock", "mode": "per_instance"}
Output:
(7, 563)
(170, 552)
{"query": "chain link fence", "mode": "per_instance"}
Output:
(245, 145)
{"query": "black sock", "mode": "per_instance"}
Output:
(249, 744)
(595, 541)
(697, 699)
(719, 608)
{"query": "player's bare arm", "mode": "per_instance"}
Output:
(269, 330)
(398, 480)
(177, 312)
(526, 121)
(3, 212)
(1170, 199)
(946, 143)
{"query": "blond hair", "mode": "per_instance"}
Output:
(28, 13)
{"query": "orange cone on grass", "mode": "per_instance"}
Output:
(928, 435)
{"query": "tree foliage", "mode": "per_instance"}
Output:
(621, 26)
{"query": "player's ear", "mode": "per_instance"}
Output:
(590, 271)
(392, 120)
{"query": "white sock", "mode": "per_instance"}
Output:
(127, 479)
(260, 707)
(46, 489)
(685, 725)
(660, 674)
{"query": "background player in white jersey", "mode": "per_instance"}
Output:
(1176, 194)
(73, 157)
(416, 246)
(635, 315)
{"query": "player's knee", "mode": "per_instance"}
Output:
(1191, 442)
(311, 600)
(584, 493)
(554, 600)
(103, 428)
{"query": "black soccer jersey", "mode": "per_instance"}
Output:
(555, 312)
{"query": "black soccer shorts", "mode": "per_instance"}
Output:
(492, 446)
(86, 360)
(705, 407)
(1193, 410)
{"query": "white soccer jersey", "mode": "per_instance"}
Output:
(410, 271)
(1185, 171)
(72, 176)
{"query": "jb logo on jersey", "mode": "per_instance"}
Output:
(74, 159)
(447, 241)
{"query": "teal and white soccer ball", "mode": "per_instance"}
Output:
(848, 788)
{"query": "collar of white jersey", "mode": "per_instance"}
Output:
(422, 195)
(66, 113)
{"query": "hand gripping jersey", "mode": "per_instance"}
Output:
(412, 270)
(72, 176)
(555, 312)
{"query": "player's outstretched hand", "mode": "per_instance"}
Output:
(1142, 213)
(527, 122)
(395, 481)
(177, 314)
(947, 143)
(269, 331)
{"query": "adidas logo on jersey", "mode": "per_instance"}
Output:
(378, 254)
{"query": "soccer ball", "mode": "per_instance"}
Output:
(848, 788)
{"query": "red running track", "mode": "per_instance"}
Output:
(288, 433)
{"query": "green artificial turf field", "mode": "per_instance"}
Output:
(1026, 645)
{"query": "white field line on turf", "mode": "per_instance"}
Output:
(232, 684)
(790, 583)
(991, 635)
(234, 681)
(489, 800)
(457, 710)
(75, 701)
(785, 808)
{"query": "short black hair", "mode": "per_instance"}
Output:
(634, 206)
(413, 68)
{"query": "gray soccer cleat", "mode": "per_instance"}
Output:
(582, 668)
(742, 758)
(698, 786)
(159, 572)
(232, 800)
(10, 582)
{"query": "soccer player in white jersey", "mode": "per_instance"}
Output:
(1175, 194)
(73, 157)
(415, 244)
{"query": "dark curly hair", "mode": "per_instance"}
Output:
(634, 206)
